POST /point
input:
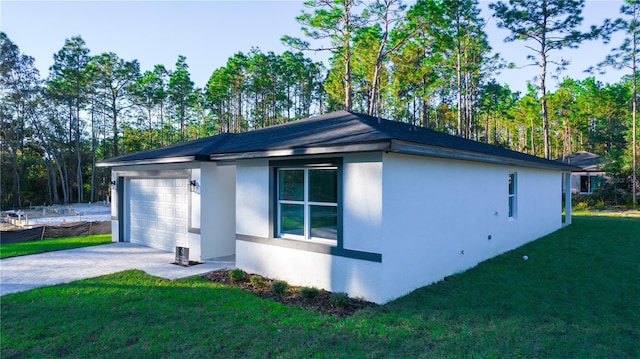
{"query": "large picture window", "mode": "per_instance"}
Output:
(512, 194)
(307, 206)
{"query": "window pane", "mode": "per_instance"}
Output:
(324, 222)
(323, 185)
(512, 205)
(291, 185)
(512, 183)
(292, 219)
(584, 184)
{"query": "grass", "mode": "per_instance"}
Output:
(54, 244)
(578, 296)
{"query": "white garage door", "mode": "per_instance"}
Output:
(158, 212)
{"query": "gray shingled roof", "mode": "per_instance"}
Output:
(589, 162)
(340, 132)
(197, 150)
(344, 131)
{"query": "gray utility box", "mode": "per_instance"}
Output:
(182, 256)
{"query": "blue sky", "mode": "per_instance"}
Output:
(209, 32)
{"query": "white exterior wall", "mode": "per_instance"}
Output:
(252, 198)
(362, 216)
(439, 214)
(420, 213)
(362, 202)
(217, 217)
(359, 278)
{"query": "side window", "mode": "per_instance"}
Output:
(584, 184)
(307, 203)
(513, 194)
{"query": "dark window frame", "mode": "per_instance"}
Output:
(295, 191)
(275, 165)
(513, 195)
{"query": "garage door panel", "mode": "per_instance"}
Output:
(158, 209)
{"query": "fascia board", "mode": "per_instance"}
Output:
(442, 152)
(151, 161)
(383, 145)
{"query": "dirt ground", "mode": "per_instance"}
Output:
(321, 303)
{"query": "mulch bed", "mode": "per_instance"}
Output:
(321, 303)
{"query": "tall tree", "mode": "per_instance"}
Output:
(417, 69)
(19, 88)
(386, 14)
(115, 78)
(150, 92)
(335, 21)
(181, 92)
(545, 26)
(495, 102)
(68, 83)
(463, 37)
(527, 113)
(626, 56)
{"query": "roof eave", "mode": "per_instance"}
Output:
(443, 152)
(153, 161)
(383, 145)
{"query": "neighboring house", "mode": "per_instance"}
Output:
(592, 173)
(346, 202)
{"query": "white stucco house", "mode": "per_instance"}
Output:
(345, 202)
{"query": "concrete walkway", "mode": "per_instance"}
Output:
(27, 272)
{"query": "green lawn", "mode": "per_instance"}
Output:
(578, 296)
(54, 244)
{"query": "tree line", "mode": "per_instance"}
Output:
(429, 64)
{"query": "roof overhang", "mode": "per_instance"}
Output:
(395, 146)
(152, 161)
(443, 152)
(384, 145)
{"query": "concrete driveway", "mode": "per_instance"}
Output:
(27, 272)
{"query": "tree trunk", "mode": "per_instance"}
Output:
(93, 157)
(161, 125)
(79, 158)
(376, 72)
(487, 129)
(347, 79)
(634, 152)
(533, 144)
(459, 84)
(150, 144)
(425, 112)
(64, 179)
(17, 201)
(543, 97)
(468, 105)
(374, 88)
